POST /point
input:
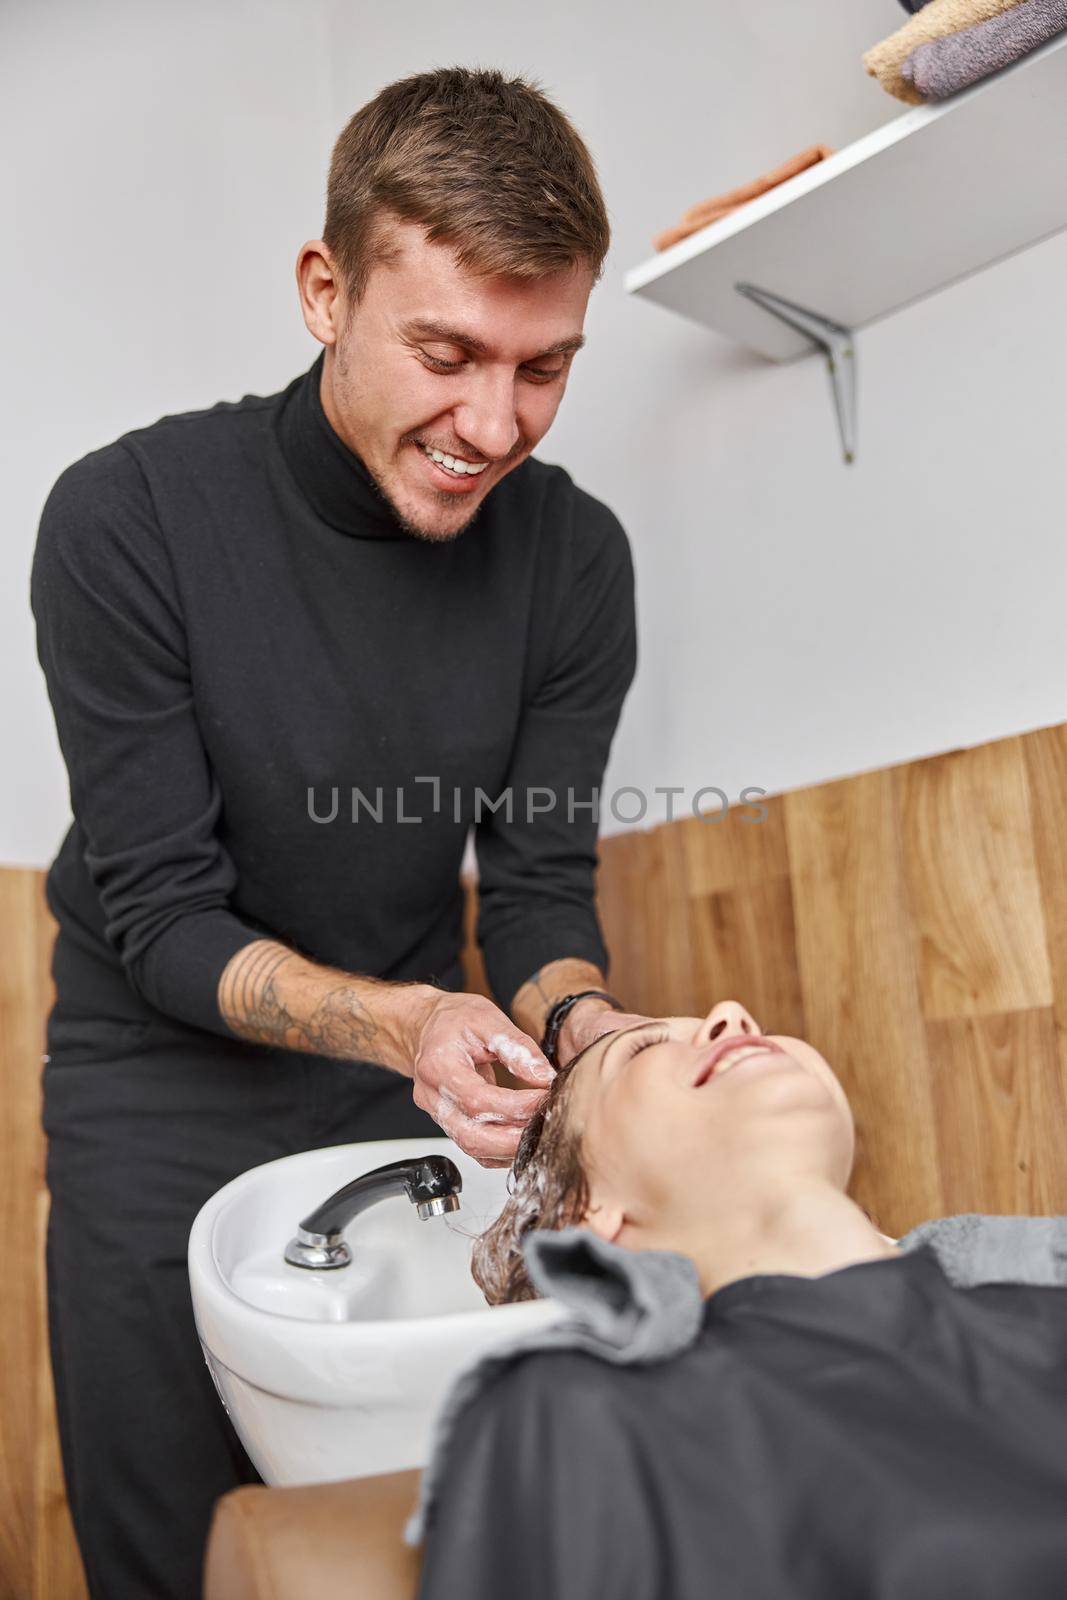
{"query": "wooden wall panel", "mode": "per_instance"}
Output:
(38, 1555)
(658, 925)
(632, 906)
(911, 923)
(1000, 1112)
(859, 985)
(746, 937)
(740, 916)
(736, 851)
(973, 884)
(1046, 768)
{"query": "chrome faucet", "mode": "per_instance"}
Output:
(432, 1183)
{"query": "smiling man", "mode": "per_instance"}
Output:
(383, 365)
(298, 647)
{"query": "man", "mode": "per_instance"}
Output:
(297, 646)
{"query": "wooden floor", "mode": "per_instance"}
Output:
(911, 923)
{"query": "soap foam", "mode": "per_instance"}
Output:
(448, 1109)
(516, 1056)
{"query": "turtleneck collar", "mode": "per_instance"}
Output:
(333, 479)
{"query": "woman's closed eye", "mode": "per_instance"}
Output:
(657, 1035)
(637, 1041)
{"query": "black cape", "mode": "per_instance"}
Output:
(875, 1432)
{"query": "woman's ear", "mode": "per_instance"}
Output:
(605, 1221)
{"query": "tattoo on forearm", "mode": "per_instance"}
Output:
(248, 994)
(341, 1025)
(251, 1003)
(543, 994)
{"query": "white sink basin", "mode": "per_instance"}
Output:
(339, 1374)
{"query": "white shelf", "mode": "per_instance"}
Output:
(940, 192)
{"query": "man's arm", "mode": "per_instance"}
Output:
(271, 995)
(446, 1043)
(113, 646)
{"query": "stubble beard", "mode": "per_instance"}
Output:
(420, 530)
(416, 530)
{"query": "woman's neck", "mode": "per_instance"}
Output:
(807, 1229)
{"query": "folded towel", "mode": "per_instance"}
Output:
(941, 17)
(720, 205)
(974, 1249)
(944, 66)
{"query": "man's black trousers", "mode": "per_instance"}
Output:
(142, 1130)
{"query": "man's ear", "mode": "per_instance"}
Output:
(605, 1221)
(321, 296)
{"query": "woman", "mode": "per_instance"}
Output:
(843, 1420)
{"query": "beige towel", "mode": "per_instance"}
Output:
(720, 205)
(934, 21)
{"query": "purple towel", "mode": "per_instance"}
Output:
(946, 65)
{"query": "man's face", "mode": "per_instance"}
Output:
(434, 358)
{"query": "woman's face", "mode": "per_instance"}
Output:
(690, 1117)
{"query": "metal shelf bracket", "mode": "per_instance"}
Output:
(838, 345)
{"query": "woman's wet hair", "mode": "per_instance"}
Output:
(548, 1188)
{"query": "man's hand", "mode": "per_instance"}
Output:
(455, 1039)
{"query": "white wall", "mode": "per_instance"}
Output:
(166, 162)
(799, 620)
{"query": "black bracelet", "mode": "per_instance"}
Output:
(559, 1010)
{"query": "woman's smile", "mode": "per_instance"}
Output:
(728, 1052)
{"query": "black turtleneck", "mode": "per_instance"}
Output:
(233, 626)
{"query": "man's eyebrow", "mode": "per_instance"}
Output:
(439, 330)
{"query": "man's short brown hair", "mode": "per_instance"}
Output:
(484, 163)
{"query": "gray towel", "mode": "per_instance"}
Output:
(973, 1249)
(944, 66)
(633, 1306)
